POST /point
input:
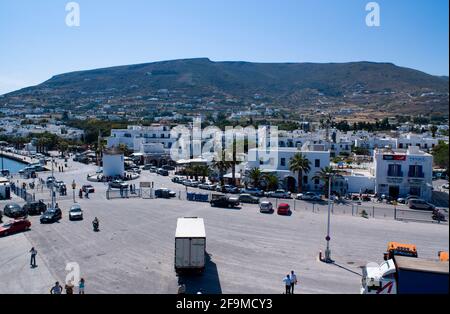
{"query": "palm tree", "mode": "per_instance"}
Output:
(271, 181)
(300, 164)
(222, 166)
(324, 175)
(255, 175)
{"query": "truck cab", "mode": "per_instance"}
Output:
(379, 279)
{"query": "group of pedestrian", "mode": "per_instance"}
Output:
(69, 287)
(290, 281)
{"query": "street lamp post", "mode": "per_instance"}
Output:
(74, 186)
(328, 238)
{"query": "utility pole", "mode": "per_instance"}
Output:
(53, 183)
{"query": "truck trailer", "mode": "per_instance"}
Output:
(406, 275)
(190, 244)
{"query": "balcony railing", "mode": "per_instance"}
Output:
(416, 175)
(395, 174)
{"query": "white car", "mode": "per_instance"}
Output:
(445, 186)
(309, 196)
(279, 194)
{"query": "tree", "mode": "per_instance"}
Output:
(271, 181)
(300, 164)
(433, 130)
(256, 176)
(222, 165)
(440, 154)
(324, 175)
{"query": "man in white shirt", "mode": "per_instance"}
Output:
(287, 283)
(293, 278)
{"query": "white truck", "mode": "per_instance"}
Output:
(405, 275)
(190, 244)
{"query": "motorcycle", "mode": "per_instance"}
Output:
(438, 216)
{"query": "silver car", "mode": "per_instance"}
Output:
(420, 204)
(266, 207)
(75, 212)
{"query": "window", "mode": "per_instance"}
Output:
(395, 171)
(317, 163)
(316, 181)
(283, 162)
(305, 179)
(400, 145)
(162, 135)
(416, 172)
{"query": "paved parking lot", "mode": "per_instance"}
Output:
(248, 252)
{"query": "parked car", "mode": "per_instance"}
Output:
(266, 207)
(14, 226)
(153, 169)
(35, 208)
(191, 183)
(162, 172)
(253, 191)
(147, 167)
(283, 209)
(13, 210)
(207, 186)
(117, 184)
(168, 168)
(249, 199)
(420, 204)
(309, 196)
(88, 188)
(445, 186)
(177, 179)
(135, 170)
(165, 193)
(227, 189)
(279, 194)
(405, 200)
(51, 215)
(75, 212)
(224, 201)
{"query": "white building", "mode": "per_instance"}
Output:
(424, 142)
(401, 172)
(277, 162)
(134, 137)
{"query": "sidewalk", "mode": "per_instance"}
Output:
(17, 275)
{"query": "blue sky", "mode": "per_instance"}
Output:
(36, 44)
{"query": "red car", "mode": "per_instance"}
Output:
(14, 226)
(284, 209)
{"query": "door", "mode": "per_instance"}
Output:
(182, 252)
(394, 191)
(197, 252)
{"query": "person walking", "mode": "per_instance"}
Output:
(33, 252)
(69, 288)
(81, 286)
(287, 284)
(293, 278)
(56, 289)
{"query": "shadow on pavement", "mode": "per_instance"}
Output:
(347, 269)
(207, 283)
